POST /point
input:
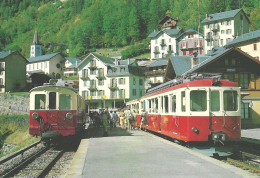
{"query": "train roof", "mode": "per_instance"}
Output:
(39, 88)
(192, 82)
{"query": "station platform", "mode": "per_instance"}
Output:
(141, 154)
(251, 135)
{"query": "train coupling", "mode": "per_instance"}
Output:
(217, 136)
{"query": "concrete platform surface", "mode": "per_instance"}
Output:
(140, 154)
(251, 135)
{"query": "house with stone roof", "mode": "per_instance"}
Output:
(248, 42)
(189, 42)
(163, 42)
(12, 71)
(221, 28)
(105, 81)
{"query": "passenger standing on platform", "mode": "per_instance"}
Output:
(127, 118)
(142, 119)
(115, 118)
(122, 119)
(111, 120)
(105, 116)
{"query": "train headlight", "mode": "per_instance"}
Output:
(215, 137)
(35, 115)
(69, 116)
(195, 130)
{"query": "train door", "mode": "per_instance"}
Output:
(215, 115)
(51, 113)
(65, 109)
(174, 122)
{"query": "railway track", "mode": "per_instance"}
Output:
(36, 163)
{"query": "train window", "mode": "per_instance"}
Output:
(52, 100)
(162, 104)
(230, 101)
(174, 103)
(214, 101)
(65, 102)
(183, 103)
(40, 101)
(137, 108)
(150, 105)
(156, 105)
(166, 106)
(198, 100)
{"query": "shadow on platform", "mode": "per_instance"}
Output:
(93, 131)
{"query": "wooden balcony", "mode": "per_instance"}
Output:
(113, 86)
(100, 76)
(92, 87)
(156, 72)
(215, 28)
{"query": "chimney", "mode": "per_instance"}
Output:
(128, 61)
(10, 51)
(194, 59)
(116, 62)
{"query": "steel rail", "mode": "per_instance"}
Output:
(50, 165)
(23, 163)
(9, 157)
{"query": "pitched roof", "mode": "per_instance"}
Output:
(170, 32)
(215, 57)
(221, 16)
(106, 60)
(181, 64)
(158, 62)
(73, 60)
(35, 39)
(245, 37)
(189, 31)
(166, 18)
(4, 54)
(42, 57)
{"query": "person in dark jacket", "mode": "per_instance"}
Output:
(105, 116)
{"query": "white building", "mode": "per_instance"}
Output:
(163, 42)
(221, 28)
(71, 65)
(49, 64)
(104, 81)
(189, 42)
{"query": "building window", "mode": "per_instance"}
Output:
(184, 53)
(228, 22)
(92, 93)
(186, 44)
(100, 82)
(192, 36)
(101, 92)
(121, 93)
(228, 31)
(141, 82)
(188, 36)
(181, 45)
(134, 81)
(255, 47)
(169, 40)
(221, 42)
(122, 69)
(245, 110)
(200, 51)
(134, 92)
(122, 81)
(92, 72)
(195, 44)
(222, 31)
(200, 43)
(190, 52)
(85, 83)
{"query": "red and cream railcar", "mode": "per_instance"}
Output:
(194, 111)
(56, 111)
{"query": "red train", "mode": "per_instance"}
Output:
(200, 110)
(56, 111)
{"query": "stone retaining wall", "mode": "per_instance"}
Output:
(13, 105)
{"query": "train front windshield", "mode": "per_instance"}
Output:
(63, 102)
(226, 100)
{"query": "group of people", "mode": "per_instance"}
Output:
(125, 118)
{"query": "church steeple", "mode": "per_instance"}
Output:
(36, 47)
(35, 38)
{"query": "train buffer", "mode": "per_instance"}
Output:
(141, 154)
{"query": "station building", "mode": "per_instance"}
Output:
(108, 82)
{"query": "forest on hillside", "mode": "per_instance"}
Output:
(84, 25)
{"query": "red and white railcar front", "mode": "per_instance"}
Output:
(194, 111)
(56, 111)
